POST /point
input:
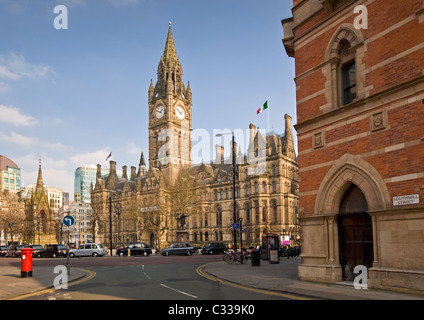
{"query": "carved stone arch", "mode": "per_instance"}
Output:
(345, 171)
(342, 50)
(346, 34)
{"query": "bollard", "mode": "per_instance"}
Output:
(255, 257)
(129, 252)
(26, 262)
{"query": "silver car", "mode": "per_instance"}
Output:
(88, 250)
(179, 248)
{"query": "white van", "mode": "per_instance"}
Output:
(88, 250)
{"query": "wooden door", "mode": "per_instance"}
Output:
(356, 247)
(355, 232)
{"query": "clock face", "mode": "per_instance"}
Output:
(160, 111)
(179, 112)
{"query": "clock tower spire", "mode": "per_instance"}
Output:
(169, 112)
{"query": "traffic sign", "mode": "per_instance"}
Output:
(244, 230)
(68, 221)
(235, 225)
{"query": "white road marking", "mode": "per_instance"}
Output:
(182, 292)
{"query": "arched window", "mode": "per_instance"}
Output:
(342, 57)
(274, 211)
(264, 211)
(218, 216)
(248, 213)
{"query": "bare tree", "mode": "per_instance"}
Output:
(183, 198)
(12, 223)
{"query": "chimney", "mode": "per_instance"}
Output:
(99, 171)
(288, 129)
(124, 172)
(219, 150)
(112, 167)
(133, 172)
(112, 179)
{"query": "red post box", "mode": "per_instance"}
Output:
(26, 262)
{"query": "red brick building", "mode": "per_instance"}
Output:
(360, 124)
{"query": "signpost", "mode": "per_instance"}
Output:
(68, 221)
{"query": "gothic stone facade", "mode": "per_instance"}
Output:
(266, 195)
(360, 92)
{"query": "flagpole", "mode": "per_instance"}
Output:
(268, 113)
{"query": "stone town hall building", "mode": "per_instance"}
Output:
(266, 191)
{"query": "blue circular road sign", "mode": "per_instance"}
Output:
(68, 221)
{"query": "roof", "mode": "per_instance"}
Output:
(6, 162)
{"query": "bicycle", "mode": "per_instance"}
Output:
(230, 257)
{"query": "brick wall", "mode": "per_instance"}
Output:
(391, 64)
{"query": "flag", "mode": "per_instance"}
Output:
(264, 107)
(110, 154)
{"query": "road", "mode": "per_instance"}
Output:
(146, 278)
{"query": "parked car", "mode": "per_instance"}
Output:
(179, 248)
(214, 248)
(53, 251)
(88, 250)
(37, 249)
(136, 249)
(3, 250)
(14, 251)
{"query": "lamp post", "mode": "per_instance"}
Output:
(241, 234)
(234, 185)
(118, 208)
(110, 224)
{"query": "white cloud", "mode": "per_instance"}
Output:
(12, 115)
(18, 139)
(14, 67)
(57, 146)
(90, 158)
(123, 2)
(132, 149)
(55, 172)
(72, 3)
(4, 87)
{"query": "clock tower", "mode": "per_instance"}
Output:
(169, 113)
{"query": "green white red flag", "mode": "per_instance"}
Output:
(264, 107)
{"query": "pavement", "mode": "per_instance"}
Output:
(278, 279)
(13, 287)
(282, 280)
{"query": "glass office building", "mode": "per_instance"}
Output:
(84, 176)
(10, 175)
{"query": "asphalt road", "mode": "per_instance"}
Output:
(158, 278)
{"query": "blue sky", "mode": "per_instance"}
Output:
(72, 96)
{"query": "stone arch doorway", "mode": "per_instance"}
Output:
(355, 232)
(42, 222)
(152, 242)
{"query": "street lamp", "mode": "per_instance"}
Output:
(241, 234)
(118, 208)
(234, 186)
